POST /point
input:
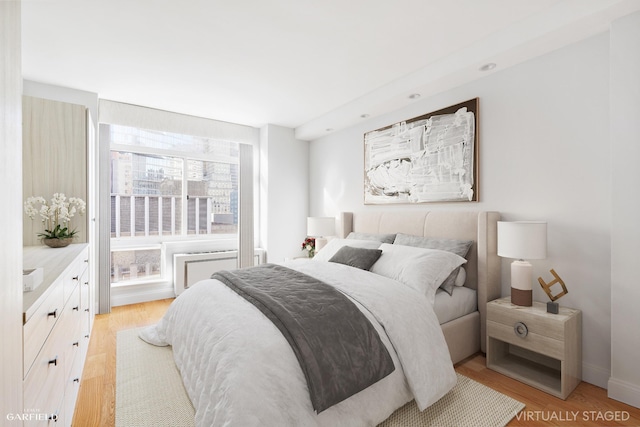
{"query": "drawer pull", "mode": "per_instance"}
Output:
(75, 278)
(76, 380)
(54, 361)
(520, 329)
(54, 417)
(76, 343)
(76, 308)
(86, 309)
(53, 313)
(86, 283)
(86, 336)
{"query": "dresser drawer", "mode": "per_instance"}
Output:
(68, 330)
(71, 390)
(41, 323)
(537, 323)
(71, 278)
(43, 385)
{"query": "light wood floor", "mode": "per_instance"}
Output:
(588, 405)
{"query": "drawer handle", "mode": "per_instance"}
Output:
(75, 278)
(520, 329)
(53, 313)
(86, 260)
(76, 308)
(54, 417)
(76, 380)
(86, 309)
(54, 361)
(76, 343)
(86, 283)
(86, 336)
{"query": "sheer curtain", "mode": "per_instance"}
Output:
(113, 112)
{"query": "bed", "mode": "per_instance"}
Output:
(465, 335)
(238, 368)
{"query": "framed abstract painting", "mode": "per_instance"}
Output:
(430, 158)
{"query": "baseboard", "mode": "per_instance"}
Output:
(125, 295)
(595, 375)
(624, 392)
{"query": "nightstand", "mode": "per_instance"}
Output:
(540, 349)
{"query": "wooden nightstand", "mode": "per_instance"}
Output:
(538, 348)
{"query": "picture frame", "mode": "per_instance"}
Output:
(427, 159)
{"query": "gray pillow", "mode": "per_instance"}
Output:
(458, 247)
(382, 238)
(356, 257)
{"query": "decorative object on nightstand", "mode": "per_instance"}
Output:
(552, 306)
(537, 348)
(321, 228)
(522, 240)
(309, 245)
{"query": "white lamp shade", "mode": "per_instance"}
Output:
(321, 226)
(522, 239)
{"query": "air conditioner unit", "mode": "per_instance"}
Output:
(189, 268)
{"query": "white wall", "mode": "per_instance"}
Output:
(544, 155)
(624, 384)
(284, 197)
(11, 212)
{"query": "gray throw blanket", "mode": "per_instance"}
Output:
(338, 349)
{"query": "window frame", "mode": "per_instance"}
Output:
(125, 242)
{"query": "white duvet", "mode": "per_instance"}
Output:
(239, 370)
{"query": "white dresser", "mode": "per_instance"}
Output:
(57, 317)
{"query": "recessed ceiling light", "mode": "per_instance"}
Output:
(364, 116)
(488, 67)
(414, 96)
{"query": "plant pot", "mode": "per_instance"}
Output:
(57, 243)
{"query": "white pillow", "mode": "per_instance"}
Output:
(461, 277)
(334, 245)
(421, 269)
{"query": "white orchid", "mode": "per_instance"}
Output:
(55, 214)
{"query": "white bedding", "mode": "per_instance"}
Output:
(461, 302)
(239, 370)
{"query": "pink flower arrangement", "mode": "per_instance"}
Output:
(309, 245)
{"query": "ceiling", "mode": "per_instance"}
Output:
(316, 66)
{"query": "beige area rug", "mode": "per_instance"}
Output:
(149, 392)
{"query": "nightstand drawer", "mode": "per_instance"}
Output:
(533, 341)
(537, 322)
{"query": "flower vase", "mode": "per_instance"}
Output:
(57, 243)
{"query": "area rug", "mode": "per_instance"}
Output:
(149, 392)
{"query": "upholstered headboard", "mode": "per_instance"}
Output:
(483, 266)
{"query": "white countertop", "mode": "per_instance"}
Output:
(54, 262)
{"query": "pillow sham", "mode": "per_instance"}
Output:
(382, 238)
(334, 246)
(421, 269)
(456, 278)
(361, 258)
(458, 247)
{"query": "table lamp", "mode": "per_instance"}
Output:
(320, 228)
(522, 240)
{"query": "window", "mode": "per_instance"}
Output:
(166, 186)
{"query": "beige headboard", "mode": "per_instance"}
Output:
(483, 266)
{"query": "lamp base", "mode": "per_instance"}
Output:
(522, 298)
(321, 242)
